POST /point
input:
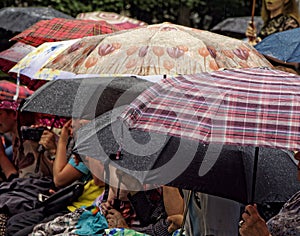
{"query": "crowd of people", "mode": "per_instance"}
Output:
(33, 171)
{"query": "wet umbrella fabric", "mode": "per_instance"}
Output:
(237, 26)
(59, 29)
(251, 106)
(159, 159)
(17, 19)
(85, 96)
(157, 49)
(9, 89)
(284, 46)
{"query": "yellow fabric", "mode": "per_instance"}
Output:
(90, 193)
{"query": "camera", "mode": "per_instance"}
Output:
(33, 134)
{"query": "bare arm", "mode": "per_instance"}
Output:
(64, 173)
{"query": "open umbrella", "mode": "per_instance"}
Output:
(156, 49)
(284, 46)
(58, 29)
(236, 26)
(256, 107)
(9, 90)
(159, 159)
(112, 18)
(17, 19)
(28, 69)
(85, 96)
(12, 55)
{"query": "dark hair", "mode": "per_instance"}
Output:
(290, 8)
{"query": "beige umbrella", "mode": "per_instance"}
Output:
(156, 50)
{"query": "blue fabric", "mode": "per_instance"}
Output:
(274, 44)
(82, 168)
(90, 224)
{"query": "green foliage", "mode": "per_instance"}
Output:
(196, 13)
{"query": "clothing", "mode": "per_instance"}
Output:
(26, 157)
(278, 24)
(206, 216)
(82, 168)
(23, 223)
(287, 221)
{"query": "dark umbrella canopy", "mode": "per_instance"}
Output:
(224, 171)
(85, 97)
(17, 19)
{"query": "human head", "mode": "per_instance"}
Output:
(289, 7)
(76, 124)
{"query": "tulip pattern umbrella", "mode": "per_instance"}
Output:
(157, 49)
(112, 18)
(59, 29)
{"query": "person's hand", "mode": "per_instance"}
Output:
(253, 223)
(251, 34)
(66, 131)
(106, 206)
(115, 219)
(175, 222)
(48, 141)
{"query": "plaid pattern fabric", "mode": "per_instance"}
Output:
(255, 106)
(59, 29)
(8, 90)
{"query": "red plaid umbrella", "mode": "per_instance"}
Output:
(258, 107)
(59, 29)
(9, 89)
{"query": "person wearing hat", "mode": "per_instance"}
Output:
(25, 152)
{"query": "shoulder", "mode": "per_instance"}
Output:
(289, 22)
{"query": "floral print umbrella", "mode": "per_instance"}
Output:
(165, 48)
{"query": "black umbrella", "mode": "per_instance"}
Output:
(236, 26)
(225, 171)
(17, 19)
(85, 97)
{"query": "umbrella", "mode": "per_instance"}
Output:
(159, 159)
(85, 96)
(237, 26)
(245, 107)
(154, 50)
(17, 19)
(251, 106)
(10, 57)
(274, 44)
(112, 18)
(9, 90)
(28, 69)
(58, 29)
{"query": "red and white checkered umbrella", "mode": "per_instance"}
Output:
(254, 106)
(59, 29)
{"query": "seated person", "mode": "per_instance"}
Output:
(66, 169)
(145, 211)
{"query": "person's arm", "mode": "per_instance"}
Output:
(64, 173)
(173, 201)
(7, 166)
(253, 223)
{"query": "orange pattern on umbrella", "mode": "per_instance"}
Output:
(157, 49)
